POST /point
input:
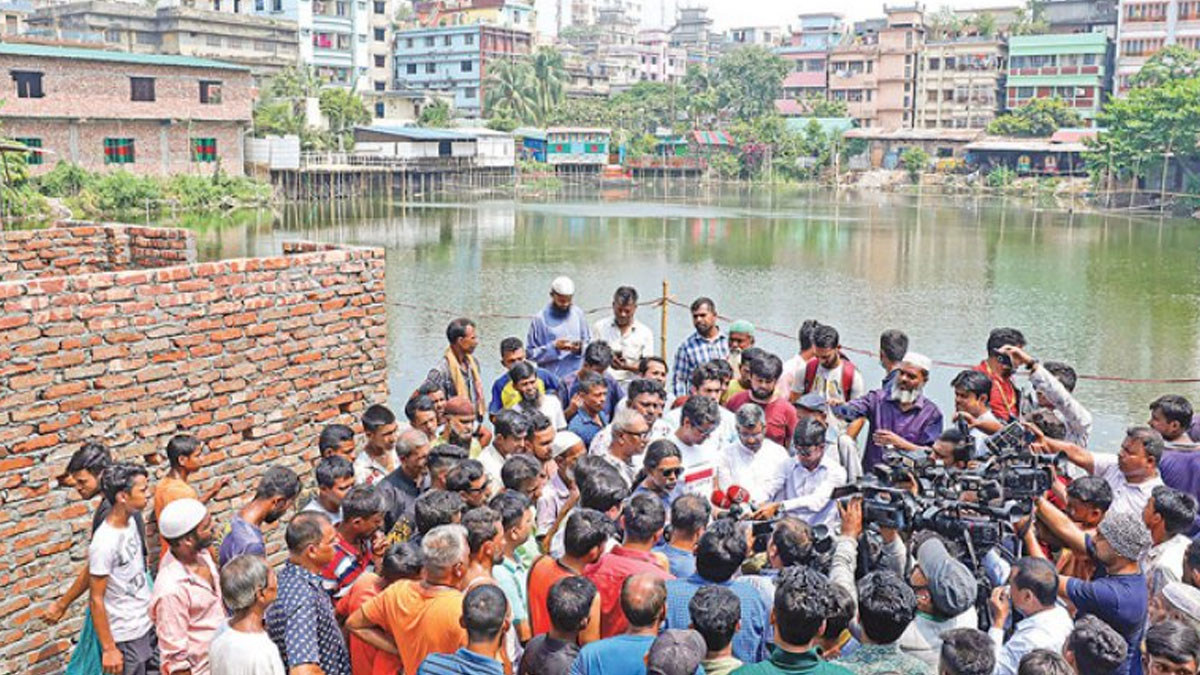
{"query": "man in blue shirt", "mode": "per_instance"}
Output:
(485, 616)
(301, 621)
(720, 554)
(706, 344)
(643, 599)
(559, 332)
(689, 518)
(590, 416)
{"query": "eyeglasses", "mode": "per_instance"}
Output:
(672, 473)
(808, 450)
(636, 434)
(481, 488)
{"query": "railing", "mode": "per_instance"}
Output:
(331, 160)
(654, 162)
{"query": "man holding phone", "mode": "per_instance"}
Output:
(559, 332)
(998, 366)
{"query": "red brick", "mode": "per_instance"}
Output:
(36, 443)
(64, 389)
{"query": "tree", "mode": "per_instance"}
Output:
(1146, 126)
(549, 82)
(818, 106)
(1039, 119)
(343, 110)
(436, 114)
(1174, 62)
(749, 80)
(509, 90)
(915, 161)
(985, 24)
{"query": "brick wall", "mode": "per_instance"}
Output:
(250, 355)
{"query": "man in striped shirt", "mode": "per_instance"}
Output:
(706, 344)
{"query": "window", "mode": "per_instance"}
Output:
(276, 5)
(380, 86)
(935, 64)
(112, 35)
(428, 41)
(118, 151)
(379, 35)
(380, 7)
(33, 158)
(1024, 92)
(146, 38)
(204, 149)
(410, 68)
(233, 43)
(466, 66)
(29, 84)
(259, 6)
(213, 40)
(141, 89)
(1089, 59)
(210, 92)
(380, 61)
(469, 39)
(342, 8)
(379, 109)
(447, 41)
(469, 92)
(343, 41)
(950, 63)
(430, 68)
(263, 46)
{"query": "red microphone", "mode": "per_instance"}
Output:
(719, 499)
(738, 494)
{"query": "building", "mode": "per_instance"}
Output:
(380, 69)
(1075, 67)
(660, 62)
(1060, 155)
(335, 36)
(1081, 16)
(762, 36)
(517, 14)
(13, 14)
(148, 114)
(808, 52)
(886, 146)
(1144, 27)
(454, 59)
(875, 70)
(583, 148)
(960, 84)
(693, 32)
(265, 45)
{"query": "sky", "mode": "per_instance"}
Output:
(728, 14)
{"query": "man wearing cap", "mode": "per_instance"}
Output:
(741, 338)
(706, 344)
(461, 426)
(630, 339)
(1120, 597)
(1176, 601)
(945, 591)
(900, 417)
(675, 652)
(565, 450)
(559, 332)
(186, 602)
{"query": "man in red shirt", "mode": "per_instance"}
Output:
(1004, 400)
(584, 539)
(643, 519)
(358, 536)
(780, 414)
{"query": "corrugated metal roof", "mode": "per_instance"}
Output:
(1024, 145)
(82, 54)
(703, 137)
(417, 133)
(530, 132)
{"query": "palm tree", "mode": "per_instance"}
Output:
(509, 90)
(549, 82)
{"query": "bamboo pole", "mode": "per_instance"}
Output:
(662, 338)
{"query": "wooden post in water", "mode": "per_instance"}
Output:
(662, 340)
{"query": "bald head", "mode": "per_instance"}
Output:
(643, 599)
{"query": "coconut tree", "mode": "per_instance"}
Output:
(509, 90)
(549, 82)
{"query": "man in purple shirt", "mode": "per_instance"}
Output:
(559, 332)
(902, 417)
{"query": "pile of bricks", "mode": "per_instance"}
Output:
(112, 333)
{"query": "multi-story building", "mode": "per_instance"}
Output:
(1081, 16)
(763, 36)
(517, 14)
(145, 113)
(454, 60)
(808, 52)
(693, 32)
(874, 71)
(380, 70)
(335, 36)
(660, 62)
(226, 33)
(13, 14)
(960, 82)
(1075, 67)
(1146, 26)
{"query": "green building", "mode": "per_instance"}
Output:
(1075, 67)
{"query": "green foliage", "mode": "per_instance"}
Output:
(219, 190)
(281, 111)
(343, 110)
(1039, 119)
(642, 145)
(18, 197)
(915, 161)
(725, 165)
(1146, 125)
(818, 106)
(749, 80)
(530, 89)
(64, 180)
(1173, 62)
(119, 191)
(436, 115)
(985, 24)
(501, 123)
(1001, 177)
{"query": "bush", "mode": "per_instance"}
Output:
(915, 161)
(64, 180)
(1001, 177)
(725, 165)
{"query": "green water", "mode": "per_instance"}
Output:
(1110, 294)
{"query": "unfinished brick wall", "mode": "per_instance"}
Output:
(250, 355)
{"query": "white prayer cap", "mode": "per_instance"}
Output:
(919, 360)
(563, 286)
(180, 517)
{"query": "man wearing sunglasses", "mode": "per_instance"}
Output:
(810, 480)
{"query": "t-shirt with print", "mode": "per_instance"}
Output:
(242, 538)
(118, 554)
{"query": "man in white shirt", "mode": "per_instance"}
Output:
(706, 382)
(510, 428)
(755, 462)
(1033, 591)
(971, 391)
(1132, 473)
(629, 431)
(646, 397)
(1053, 384)
(1168, 515)
(839, 445)
(523, 375)
(831, 376)
(630, 339)
(698, 448)
(810, 480)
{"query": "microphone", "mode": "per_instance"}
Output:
(738, 494)
(719, 499)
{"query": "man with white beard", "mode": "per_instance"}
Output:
(901, 418)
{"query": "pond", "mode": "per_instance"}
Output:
(1113, 295)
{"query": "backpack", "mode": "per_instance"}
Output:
(810, 375)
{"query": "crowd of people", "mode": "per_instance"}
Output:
(597, 510)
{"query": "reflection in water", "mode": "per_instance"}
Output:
(1110, 295)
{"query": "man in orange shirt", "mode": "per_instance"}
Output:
(416, 618)
(1005, 399)
(183, 454)
(401, 562)
(586, 533)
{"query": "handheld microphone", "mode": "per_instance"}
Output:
(738, 494)
(720, 499)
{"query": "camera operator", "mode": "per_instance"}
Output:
(1120, 598)
(954, 449)
(1132, 473)
(1053, 383)
(999, 368)
(1032, 593)
(791, 543)
(946, 592)
(810, 481)
(971, 391)
(886, 607)
(1088, 499)
(900, 416)
(845, 547)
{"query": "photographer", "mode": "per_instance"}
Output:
(946, 592)
(845, 548)
(1132, 473)
(810, 481)
(1032, 593)
(1053, 386)
(999, 368)
(791, 544)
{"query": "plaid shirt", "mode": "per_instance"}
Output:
(693, 352)
(302, 624)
